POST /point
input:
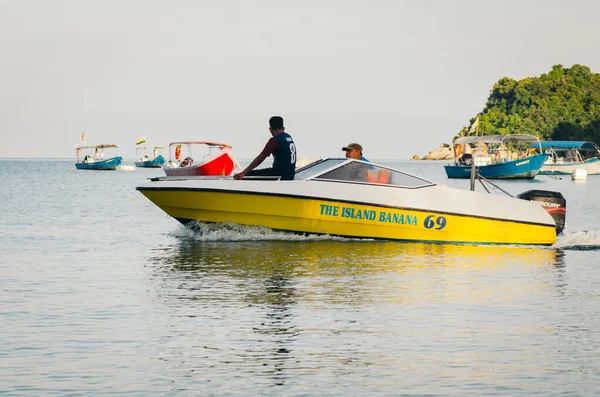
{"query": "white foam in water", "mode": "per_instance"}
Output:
(233, 232)
(200, 231)
(126, 168)
(581, 239)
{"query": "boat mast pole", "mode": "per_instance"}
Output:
(473, 167)
(473, 173)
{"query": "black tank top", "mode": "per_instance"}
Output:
(284, 156)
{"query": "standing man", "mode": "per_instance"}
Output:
(283, 149)
(354, 151)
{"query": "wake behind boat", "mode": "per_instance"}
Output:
(497, 156)
(352, 198)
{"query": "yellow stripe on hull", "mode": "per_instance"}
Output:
(316, 216)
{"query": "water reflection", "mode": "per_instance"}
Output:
(279, 309)
(278, 273)
(278, 326)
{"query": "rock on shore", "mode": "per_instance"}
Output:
(443, 153)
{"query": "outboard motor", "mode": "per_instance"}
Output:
(553, 202)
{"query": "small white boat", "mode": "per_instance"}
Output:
(353, 198)
(564, 157)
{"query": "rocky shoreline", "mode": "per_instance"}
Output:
(443, 153)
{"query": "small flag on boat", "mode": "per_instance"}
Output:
(141, 140)
(474, 127)
(82, 137)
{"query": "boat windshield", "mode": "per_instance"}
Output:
(345, 170)
(317, 168)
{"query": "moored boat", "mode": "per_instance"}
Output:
(497, 156)
(97, 157)
(564, 157)
(143, 160)
(351, 198)
(216, 160)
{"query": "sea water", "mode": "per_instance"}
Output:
(103, 294)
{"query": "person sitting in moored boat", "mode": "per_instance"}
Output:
(187, 162)
(465, 159)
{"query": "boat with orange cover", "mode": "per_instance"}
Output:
(201, 159)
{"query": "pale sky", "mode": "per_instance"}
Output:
(399, 77)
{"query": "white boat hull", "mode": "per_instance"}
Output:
(591, 167)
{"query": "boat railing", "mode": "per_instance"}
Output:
(188, 177)
(262, 178)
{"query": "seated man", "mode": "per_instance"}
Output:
(354, 151)
(360, 171)
(283, 149)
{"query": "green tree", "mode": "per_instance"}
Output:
(563, 104)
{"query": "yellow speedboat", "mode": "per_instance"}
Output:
(352, 198)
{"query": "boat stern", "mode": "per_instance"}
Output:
(553, 202)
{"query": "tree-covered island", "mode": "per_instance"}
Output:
(563, 104)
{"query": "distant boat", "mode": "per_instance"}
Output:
(509, 156)
(143, 160)
(564, 157)
(93, 157)
(216, 159)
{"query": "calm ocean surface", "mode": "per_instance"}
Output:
(103, 294)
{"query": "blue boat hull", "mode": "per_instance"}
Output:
(156, 162)
(526, 168)
(108, 164)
